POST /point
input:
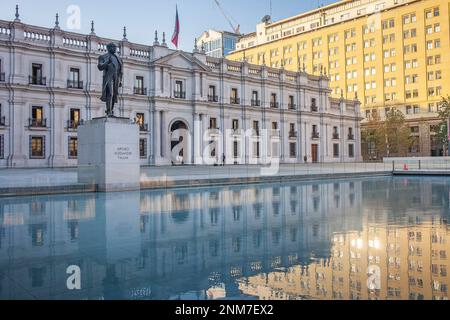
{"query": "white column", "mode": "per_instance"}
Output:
(157, 136)
(18, 140)
(197, 137)
(57, 137)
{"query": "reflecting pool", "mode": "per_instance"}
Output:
(380, 238)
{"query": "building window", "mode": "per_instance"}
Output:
(37, 117)
(336, 150)
(2, 146)
(351, 136)
(2, 117)
(74, 79)
(291, 104)
(179, 90)
(256, 127)
(2, 74)
(273, 100)
(140, 121)
(335, 133)
(143, 148)
(139, 86)
(74, 119)
(235, 149)
(212, 97)
(213, 123)
(235, 124)
(255, 99)
(234, 99)
(37, 147)
(36, 77)
(73, 147)
(292, 132)
(351, 150)
(256, 150)
(315, 133)
(293, 150)
(314, 105)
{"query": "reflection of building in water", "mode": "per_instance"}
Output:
(203, 239)
(407, 261)
(200, 243)
(411, 262)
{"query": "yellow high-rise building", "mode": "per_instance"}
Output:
(388, 53)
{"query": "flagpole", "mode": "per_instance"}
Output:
(176, 32)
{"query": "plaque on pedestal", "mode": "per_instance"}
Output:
(108, 154)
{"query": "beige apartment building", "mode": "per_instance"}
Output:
(387, 53)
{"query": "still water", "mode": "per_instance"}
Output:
(381, 238)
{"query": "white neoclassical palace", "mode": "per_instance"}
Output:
(190, 107)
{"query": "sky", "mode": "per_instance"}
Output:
(142, 18)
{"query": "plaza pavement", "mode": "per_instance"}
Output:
(64, 180)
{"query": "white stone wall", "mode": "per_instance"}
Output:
(22, 45)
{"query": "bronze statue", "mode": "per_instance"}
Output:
(111, 65)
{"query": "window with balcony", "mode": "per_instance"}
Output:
(351, 135)
(36, 77)
(314, 107)
(335, 133)
(179, 93)
(74, 79)
(291, 103)
(234, 99)
(139, 88)
(273, 100)
(37, 147)
(315, 132)
(74, 119)
(255, 99)
(212, 96)
(37, 119)
(73, 147)
(292, 132)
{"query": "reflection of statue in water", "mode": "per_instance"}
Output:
(111, 65)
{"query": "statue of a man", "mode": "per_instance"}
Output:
(111, 65)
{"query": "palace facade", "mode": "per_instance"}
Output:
(190, 107)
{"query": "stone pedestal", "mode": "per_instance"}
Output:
(108, 154)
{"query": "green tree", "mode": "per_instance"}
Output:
(444, 115)
(388, 138)
(397, 134)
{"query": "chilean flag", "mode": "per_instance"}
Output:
(176, 33)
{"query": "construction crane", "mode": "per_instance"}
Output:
(229, 18)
